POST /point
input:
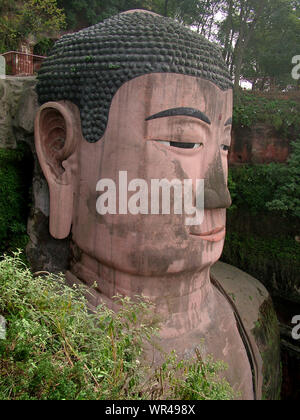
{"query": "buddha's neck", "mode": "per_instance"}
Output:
(180, 295)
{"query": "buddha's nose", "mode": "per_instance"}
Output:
(216, 193)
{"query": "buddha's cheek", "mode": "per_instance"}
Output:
(157, 253)
(173, 260)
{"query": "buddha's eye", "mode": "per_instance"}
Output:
(225, 148)
(180, 145)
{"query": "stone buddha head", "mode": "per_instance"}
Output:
(130, 105)
(143, 97)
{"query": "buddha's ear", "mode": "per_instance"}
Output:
(57, 130)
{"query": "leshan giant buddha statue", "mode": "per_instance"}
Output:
(142, 95)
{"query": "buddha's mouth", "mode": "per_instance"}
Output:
(215, 235)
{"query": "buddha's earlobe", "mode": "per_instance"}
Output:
(57, 130)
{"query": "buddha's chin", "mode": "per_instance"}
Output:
(213, 252)
(155, 259)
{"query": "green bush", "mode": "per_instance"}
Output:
(274, 261)
(15, 178)
(282, 114)
(43, 47)
(287, 197)
(55, 349)
(264, 222)
(265, 188)
(253, 186)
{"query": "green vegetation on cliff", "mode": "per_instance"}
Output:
(28, 19)
(268, 188)
(264, 224)
(279, 111)
(15, 179)
(56, 349)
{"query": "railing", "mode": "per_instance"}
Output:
(22, 64)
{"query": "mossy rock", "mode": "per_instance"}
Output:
(256, 314)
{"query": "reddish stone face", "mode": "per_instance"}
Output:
(158, 256)
(156, 244)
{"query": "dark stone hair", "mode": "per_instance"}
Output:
(88, 67)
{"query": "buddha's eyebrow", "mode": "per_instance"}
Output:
(228, 122)
(175, 112)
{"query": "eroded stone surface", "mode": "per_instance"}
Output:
(18, 107)
(11, 91)
(256, 310)
(260, 144)
(78, 144)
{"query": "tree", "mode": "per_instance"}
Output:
(260, 37)
(21, 19)
(83, 13)
(287, 198)
(276, 40)
(237, 30)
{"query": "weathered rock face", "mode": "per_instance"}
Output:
(15, 96)
(260, 322)
(257, 145)
(18, 108)
(43, 251)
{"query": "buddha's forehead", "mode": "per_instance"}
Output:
(159, 92)
(88, 67)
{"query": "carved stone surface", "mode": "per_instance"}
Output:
(256, 310)
(144, 124)
(27, 109)
(260, 144)
(18, 108)
(88, 67)
(11, 91)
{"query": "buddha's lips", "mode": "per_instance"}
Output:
(215, 235)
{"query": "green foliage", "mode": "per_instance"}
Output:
(275, 41)
(259, 37)
(264, 222)
(274, 261)
(287, 196)
(82, 13)
(55, 349)
(283, 115)
(43, 47)
(266, 188)
(255, 186)
(24, 19)
(200, 381)
(15, 177)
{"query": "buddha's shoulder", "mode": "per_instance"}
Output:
(254, 306)
(247, 293)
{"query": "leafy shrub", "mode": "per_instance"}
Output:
(254, 186)
(273, 261)
(15, 178)
(266, 188)
(287, 196)
(43, 47)
(282, 114)
(264, 222)
(55, 349)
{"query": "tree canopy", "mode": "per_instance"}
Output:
(259, 37)
(20, 20)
